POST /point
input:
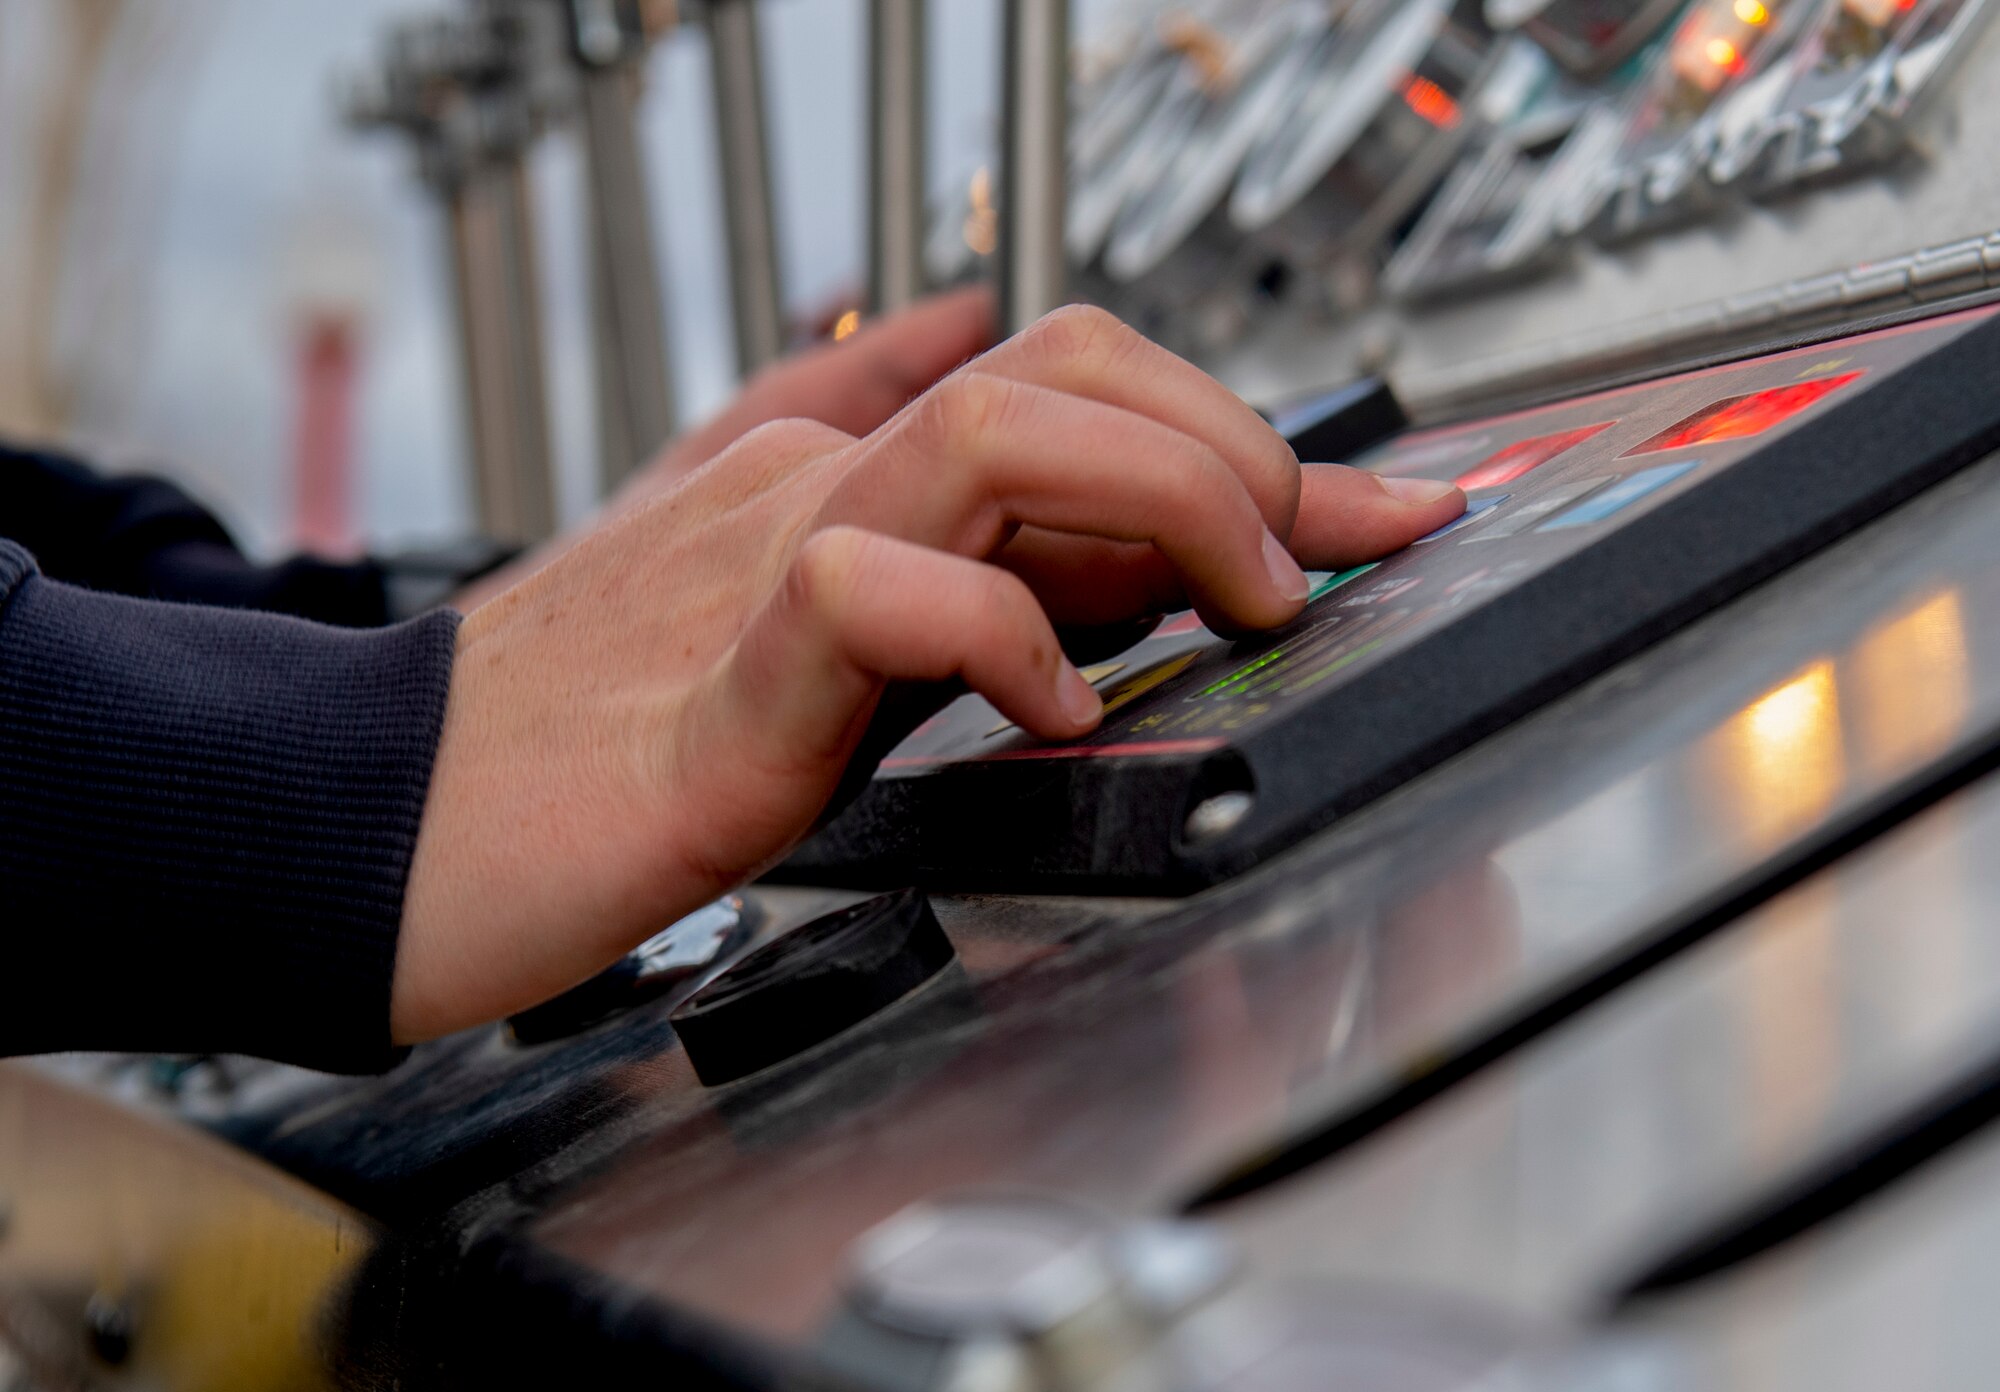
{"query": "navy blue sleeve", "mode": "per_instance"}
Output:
(144, 537)
(207, 819)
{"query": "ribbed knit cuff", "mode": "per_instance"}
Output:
(207, 819)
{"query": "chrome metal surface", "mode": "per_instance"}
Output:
(498, 298)
(1859, 994)
(635, 405)
(898, 120)
(1034, 171)
(1890, 1295)
(749, 202)
(1700, 286)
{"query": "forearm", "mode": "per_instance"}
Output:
(207, 823)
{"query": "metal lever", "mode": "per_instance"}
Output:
(749, 207)
(1034, 166)
(635, 402)
(896, 148)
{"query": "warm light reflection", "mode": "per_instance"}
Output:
(1909, 684)
(1781, 760)
(982, 224)
(1752, 12)
(1202, 44)
(844, 327)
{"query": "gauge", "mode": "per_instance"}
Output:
(1590, 38)
(1371, 127)
(1677, 118)
(1843, 93)
(1198, 65)
(1494, 218)
(1246, 100)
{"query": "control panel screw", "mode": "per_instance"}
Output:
(1214, 818)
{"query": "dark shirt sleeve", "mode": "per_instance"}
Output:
(144, 537)
(206, 817)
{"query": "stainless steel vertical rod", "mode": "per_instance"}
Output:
(1034, 169)
(897, 125)
(635, 403)
(749, 207)
(500, 332)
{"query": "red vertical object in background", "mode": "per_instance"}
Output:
(323, 435)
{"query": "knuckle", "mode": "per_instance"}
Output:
(971, 407)
(1080, 331)
(793, 436)
(822, 576)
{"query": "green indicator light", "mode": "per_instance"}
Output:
(1323, 673)
(1334, 582)
(1241, 675)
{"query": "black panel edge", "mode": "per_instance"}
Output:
(1826, 1188)
(1822, 480)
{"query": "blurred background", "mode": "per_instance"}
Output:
(192, 244)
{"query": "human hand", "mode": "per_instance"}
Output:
(853, 386)
(662, 713)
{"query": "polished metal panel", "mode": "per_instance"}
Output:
(1896, 1294)
(1849, 999)
(1128, 1069)
(1034, 168)
(1532, 337)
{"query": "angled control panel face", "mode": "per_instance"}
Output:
(1595, 526)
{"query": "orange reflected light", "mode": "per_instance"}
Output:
(1782, 759)
(1910, 683)
(1431, 102)
(845, 325)
(1752, 12)
(982, 225)
(1723, 54)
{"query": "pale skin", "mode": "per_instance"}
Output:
(652, 715)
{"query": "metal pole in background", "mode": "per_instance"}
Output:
(1034, 164)
(635, 403)
(462, 89)
(500, 339)
(749, 208)
(897, 124)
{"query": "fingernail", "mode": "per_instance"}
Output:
(1077, 697)
(1415, 492)
(1285, 572)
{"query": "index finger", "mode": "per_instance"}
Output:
(1085, 351)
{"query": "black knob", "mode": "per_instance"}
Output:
(671, 959)
(813, 983)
